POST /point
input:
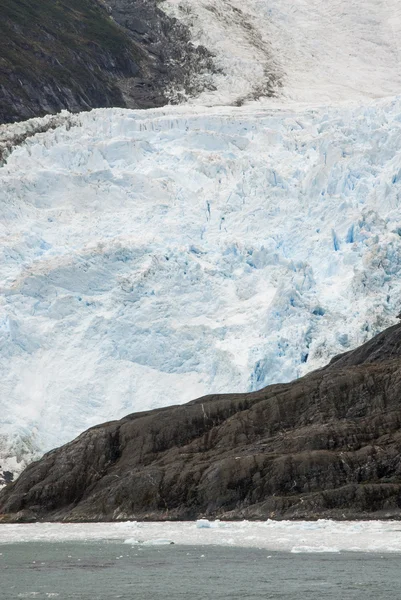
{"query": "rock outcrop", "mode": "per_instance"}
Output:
(326, 445)
(84, 54)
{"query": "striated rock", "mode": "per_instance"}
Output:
(326, 445)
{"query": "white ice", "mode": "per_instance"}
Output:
(288, 536)
(321, 51)
(151, 257)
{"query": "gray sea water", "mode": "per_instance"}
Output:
(108, 570)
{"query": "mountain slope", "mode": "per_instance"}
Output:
(150, 257)
(146, 53)
(326, 445)
(74, 55)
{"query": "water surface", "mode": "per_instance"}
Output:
(104, 570)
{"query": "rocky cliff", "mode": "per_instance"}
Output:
(326, 445)
(81, 54)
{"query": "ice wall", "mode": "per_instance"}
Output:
(150, 257)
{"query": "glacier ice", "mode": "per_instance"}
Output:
(285, 536)
(151, 257)
(310, 51)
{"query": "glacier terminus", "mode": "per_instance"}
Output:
(151, 257)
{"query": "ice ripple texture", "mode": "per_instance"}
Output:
(148, 258)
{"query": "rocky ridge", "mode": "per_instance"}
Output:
(324, 446)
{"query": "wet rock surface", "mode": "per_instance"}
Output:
(326, 445)
(89, 54)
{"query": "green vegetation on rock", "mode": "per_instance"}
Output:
(58, 54)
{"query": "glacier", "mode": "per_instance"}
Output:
(151, 257)
(310, 51)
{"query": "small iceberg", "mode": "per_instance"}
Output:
(206, 524)
(158, 542)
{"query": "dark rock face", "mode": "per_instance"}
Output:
(83, 54)
(174, 69)
(6, 477)
(326, 445)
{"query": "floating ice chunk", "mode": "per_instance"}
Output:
(203, 524)
(313, 549)
(160, 542)
(157, 542)
(206, 524)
